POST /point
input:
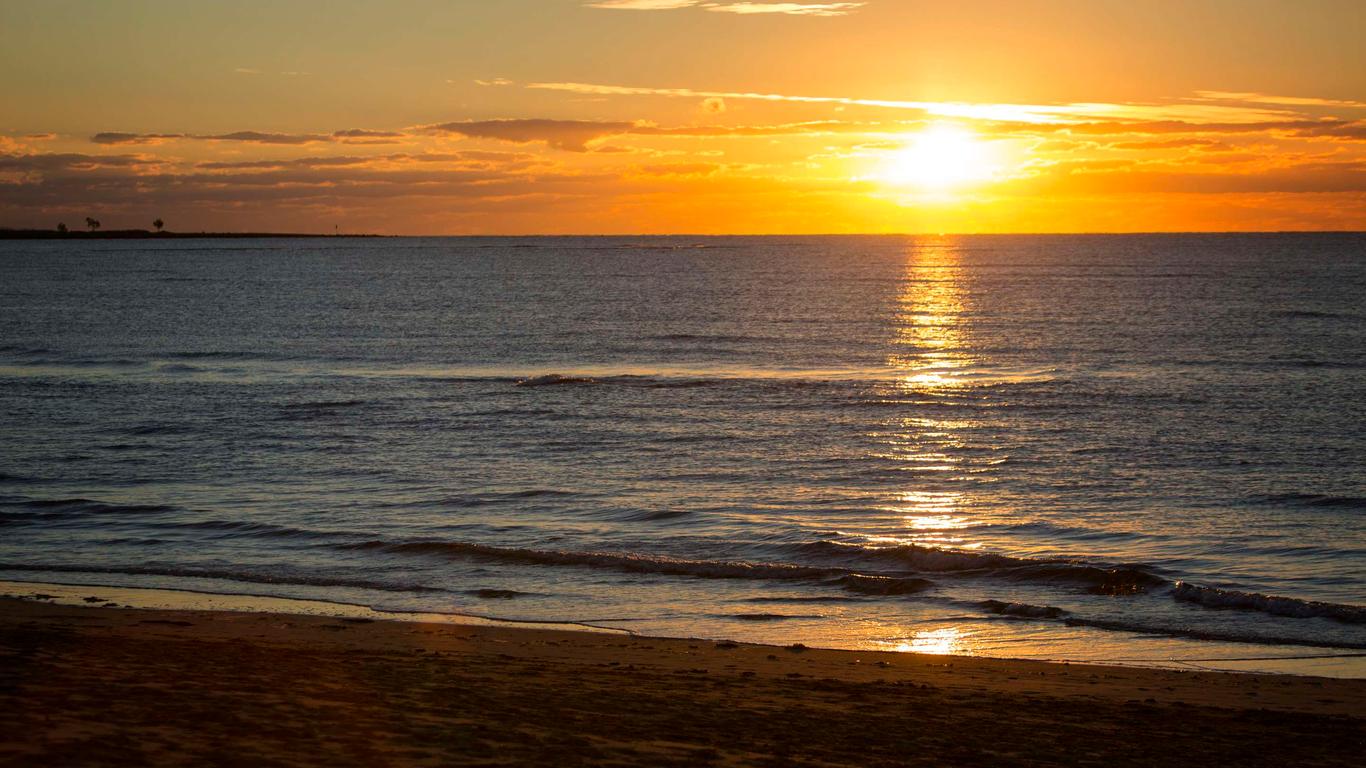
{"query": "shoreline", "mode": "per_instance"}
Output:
(1334, 663)
(139, 686)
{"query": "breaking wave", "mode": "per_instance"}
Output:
(554, 379)
(1290, 607)
(1116, 580)
(1023, 610)
(627, 562)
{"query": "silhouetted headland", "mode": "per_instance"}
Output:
(138, 234)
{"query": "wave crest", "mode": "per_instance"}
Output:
(1290, 607)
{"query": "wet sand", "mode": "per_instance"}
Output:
(118, 686)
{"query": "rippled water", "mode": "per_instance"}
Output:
(1077, 446)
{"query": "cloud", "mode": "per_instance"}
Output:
(1025, 113)
(1347, 130)
(791, 9)
(350, 136)
(643, 5)
(70, 161)
(114, 137)
(364, 136)
(286, 73)
(1165, 144)
(63, 181)
(680, 169)
(570, 135)
(1292, 101)
(577, 135)
(713, 105)
(494, 82)
(469, 159)
(742, 8)
(1308, 178)
(299, 162)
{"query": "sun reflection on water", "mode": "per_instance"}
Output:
(940, 642)
(932, 353)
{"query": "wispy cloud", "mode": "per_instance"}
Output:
(349, 136)
(742, 8)
(791, 9)
(116, 137)
(254, 71)
(571, 135)
(643, 5)
(1027, 113)
(1289, 101)
(581, 135)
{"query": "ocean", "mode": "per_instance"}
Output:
(1122, 448)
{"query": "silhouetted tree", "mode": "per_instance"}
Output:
(158, 224)
(94, 224)
(61, 227)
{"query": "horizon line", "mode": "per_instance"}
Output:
(82, 234)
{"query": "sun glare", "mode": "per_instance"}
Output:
(940, 158)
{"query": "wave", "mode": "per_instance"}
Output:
(1023, 610)
(323, 405)
(683, 383)
(628, 562)
(222, 574)
(23, 351)
(655, 515)
(1201, 634)
(59, 509)
(1311, 314)
(498, 594)
(489, 499)
(143, 430)
(1314, 500)
(882, 585)
(554, 379)
(1099, 579)
(709, 337)
(1211, 597)
(243, 528)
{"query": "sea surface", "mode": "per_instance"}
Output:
(1122, 448)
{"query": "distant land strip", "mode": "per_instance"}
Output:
(138, 234)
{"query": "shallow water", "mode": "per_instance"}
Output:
(1103, 447)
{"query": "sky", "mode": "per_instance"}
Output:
(684, 116)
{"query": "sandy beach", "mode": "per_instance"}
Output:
(119, 686)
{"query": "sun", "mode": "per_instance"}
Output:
(939, 158)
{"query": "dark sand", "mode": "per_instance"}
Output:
(115, 686)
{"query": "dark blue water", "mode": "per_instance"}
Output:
(1092, 446)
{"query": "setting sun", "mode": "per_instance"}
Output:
(942, 157)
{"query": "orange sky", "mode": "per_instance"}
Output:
(658, 116)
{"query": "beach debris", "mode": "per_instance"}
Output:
(797, 647)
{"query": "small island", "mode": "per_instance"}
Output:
(137, 234)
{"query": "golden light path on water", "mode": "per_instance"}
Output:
(932, 355)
